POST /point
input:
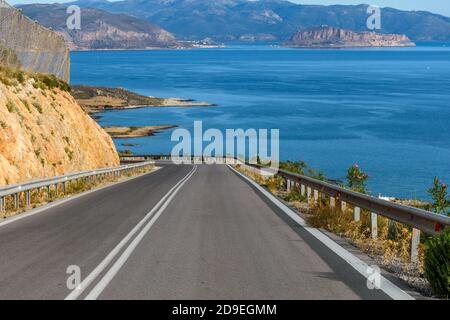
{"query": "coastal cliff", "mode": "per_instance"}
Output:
(330, 37)
(32, 46)
(44, 132)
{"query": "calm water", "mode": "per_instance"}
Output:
(386, 109)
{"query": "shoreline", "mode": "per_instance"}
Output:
(100, 99)
(150, 48)
(129, 132)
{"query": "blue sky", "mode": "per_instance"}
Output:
(437, 6)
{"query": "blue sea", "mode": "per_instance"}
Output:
(387, 110)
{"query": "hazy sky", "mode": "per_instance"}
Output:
(437, 6)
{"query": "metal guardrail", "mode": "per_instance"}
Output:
(26, 187)
(312, 189)
(418, 219)
(423, 220)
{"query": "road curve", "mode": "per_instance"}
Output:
(214, 237)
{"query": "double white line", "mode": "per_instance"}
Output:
(154, 214)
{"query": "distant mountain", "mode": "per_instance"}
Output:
(224, 20)
(101, 29)
(330, 37)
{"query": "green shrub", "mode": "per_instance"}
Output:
(41, 80)
(49, 81)
(437, 264)
(300, 167)
(294, 195)
(26, 104)
(357, 179)
(38, 106)
(439, 193)
(10, 106)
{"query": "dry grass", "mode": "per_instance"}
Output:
(10, 76)
(393, 243)
(391, 248)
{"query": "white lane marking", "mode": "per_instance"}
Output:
(387, 286)
(56, 203)
(103, 283)
(107, 260)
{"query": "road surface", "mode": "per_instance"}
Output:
(182, 232)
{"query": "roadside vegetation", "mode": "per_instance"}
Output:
(392, 247)
(10, 76)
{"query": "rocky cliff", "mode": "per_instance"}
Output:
(44, 132)
(331, 37)
(35, 47)
(101, 29)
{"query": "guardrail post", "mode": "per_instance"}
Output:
(343, 206)
(28, 198)
(415, 241)
(303, 190)
(16, 201)
(288, 185)
(316, 197)
(374, 225)
(332, 202)
(357, 214)
(2, 204)
(308, 194)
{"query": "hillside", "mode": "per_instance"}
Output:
(44, 132)
(101, 29)
(26, 44)
(270, 19)
(329, 37)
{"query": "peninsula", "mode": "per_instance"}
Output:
(99, 99)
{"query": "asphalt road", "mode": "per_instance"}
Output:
(213, 237)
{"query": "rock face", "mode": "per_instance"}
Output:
(44, 132)
(33, 46)
(101, 29)
(330, 37)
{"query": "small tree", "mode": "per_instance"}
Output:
(437, 264)
(438, 193)
(356, 179)
(294, 166)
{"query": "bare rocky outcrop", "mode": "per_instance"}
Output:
(35, 47)
(44, 132)
(331, 37)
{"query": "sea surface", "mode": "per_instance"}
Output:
(387, 110)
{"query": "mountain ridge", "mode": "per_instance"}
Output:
(101, 29)
(231, 19)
